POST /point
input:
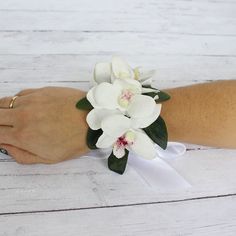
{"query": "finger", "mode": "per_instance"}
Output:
(7, 135)
(22, 156)
(7, 117)
(26, 92)
(5, 102)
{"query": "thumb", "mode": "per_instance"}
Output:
(22, 156)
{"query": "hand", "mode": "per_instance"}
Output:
(44, 126)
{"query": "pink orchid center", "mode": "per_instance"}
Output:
(125, 97)
(125, 140)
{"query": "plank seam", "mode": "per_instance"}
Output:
(118, 206)
(118, 52)
(115, 31)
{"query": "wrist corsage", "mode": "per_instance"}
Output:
(124, 113)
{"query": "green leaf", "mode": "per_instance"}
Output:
(84, 104)
(92, 137)
(118, 164)
(163, 96)
(157, 131)
(151, 94)
(149, 86)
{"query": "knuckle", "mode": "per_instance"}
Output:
(26, 91)
(22, 92)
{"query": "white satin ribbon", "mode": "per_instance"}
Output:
(157, 173)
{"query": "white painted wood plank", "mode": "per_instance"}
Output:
(193, 41)
(209, 7)
(185, 17)
(87, 182)
(171, 69)
(199, 217)
(91, 43)
(122, 21)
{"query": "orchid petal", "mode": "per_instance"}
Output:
(143, 146)
(115, 125)
(90, 97)
(102, 72)
(132, 85)
(146, 121)
(95, 117)
(106, 95)
(141, 106)
(105, 141)
(146, 81)
(150, 90)
(121, 70)
(119, 152)
(143, 74)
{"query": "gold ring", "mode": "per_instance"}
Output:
(12, 101)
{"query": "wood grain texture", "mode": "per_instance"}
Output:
(86, 182)
(57, 43)
(172, 70)
(177, 17)
(199, 217)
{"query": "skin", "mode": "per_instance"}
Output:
(202, 114)
(45, 126)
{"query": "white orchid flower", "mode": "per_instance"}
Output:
(119, 69)
(123, 112)
(124, 96)
(144, 76)
(119, 134)
(112, 96)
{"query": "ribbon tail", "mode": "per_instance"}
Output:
(157, 173)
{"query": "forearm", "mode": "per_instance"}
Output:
(202, 114)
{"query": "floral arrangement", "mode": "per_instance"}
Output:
(124, 113)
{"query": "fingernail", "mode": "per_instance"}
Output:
(4, 151)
